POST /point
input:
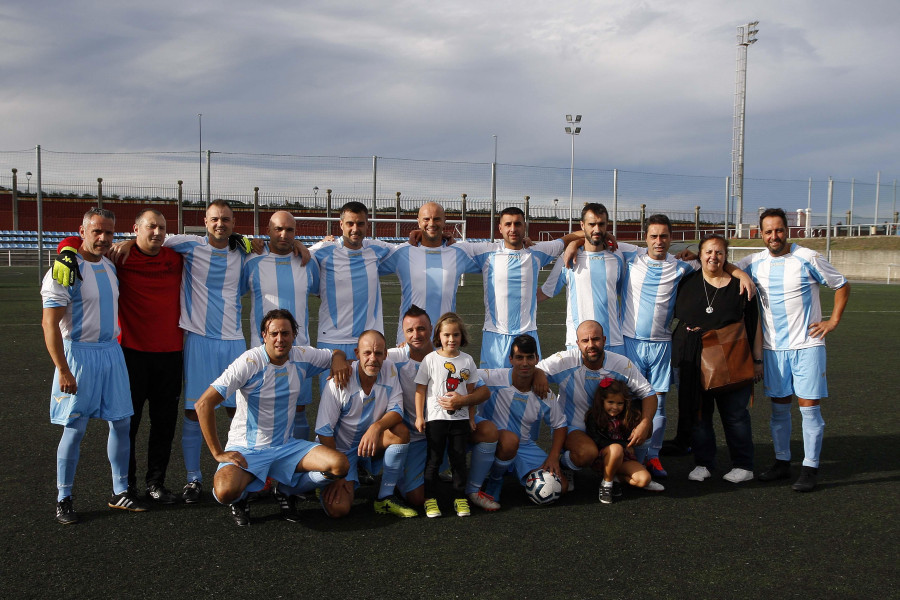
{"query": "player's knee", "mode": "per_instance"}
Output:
(486, 432)
(584, 454)
(640, 478)
(507, 445)
(225, 492)
(399, 434)
(337, 464)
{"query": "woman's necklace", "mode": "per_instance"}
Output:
(709, 308)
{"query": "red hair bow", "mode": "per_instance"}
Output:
(606, 382)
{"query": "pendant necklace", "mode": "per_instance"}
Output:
(709, 308)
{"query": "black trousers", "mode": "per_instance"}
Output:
(452, 436)
(155, 377)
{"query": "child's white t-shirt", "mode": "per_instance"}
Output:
(442, 374)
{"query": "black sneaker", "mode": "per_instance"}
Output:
(365, 478)
(288, 505)
(240, 512)
(65, 512)
(807, 480)
(606, 494)
(160, 494)
(127, 500)
(616, 489)
(780, 470)
(191, 492)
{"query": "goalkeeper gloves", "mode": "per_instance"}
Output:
(65, 267)
(241, 242)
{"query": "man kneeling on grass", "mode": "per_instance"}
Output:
(268, 381)
(364, 422)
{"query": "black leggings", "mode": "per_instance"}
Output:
(452, 435)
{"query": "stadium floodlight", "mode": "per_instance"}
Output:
(746, 35)
(573, 131)
(27, 182)
(315, 195)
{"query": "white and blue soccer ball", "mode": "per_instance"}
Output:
(542, 487)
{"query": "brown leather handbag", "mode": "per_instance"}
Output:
(726, 363)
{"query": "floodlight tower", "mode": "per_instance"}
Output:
(572, 130)
(746, 35)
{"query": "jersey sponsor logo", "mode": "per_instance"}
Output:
(281, 374)
(520, 397)
(281, 262)
(369, 399)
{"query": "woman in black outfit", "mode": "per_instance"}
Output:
(710, 299)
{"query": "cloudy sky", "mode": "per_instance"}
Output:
(436, 80)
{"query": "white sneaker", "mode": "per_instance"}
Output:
(484, 501)
(699, 474)
(738, 475)
(570, 477)
(654, 486)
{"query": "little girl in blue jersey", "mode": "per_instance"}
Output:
(609, 423)
(444, 373)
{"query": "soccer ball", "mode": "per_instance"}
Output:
(542, 487)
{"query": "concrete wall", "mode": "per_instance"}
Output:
(854, 264)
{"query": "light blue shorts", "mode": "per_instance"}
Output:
(414, 470)
(495, 348)
(800, 372)
(528, 458)
(102, 379)
(653, 360)
(204, 360)
(278, 462)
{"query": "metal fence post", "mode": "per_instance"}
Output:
(643, 214)
(208, 165)
(15, 201)
(462, 212)
(40, 216)
(828, 220)
(99, 192)
(727, 203)
(180, 208)
(374, 193)
(615, 200)
(256, 211)
(328, 211)
(397, 216)
(697, 220)
(527, 217)
(493, 197)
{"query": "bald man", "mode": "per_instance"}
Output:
(429, 272)
(364, 420)
(278, 279)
